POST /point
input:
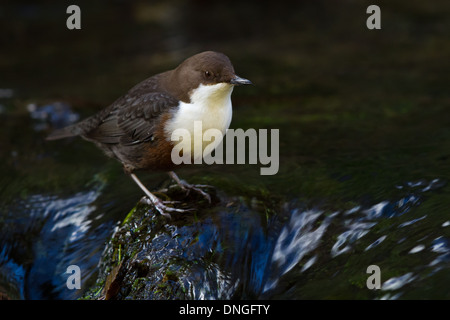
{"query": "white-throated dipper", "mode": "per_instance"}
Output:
(136, 129)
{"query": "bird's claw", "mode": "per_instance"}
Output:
(161, 207)
(197, 188)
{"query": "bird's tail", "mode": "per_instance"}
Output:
(70, 131)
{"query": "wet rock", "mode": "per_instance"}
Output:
(153, 257)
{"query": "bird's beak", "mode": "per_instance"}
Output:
(236, 80)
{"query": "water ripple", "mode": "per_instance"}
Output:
(298, 238)
(304, 234)
(396, 283)
(60, 233)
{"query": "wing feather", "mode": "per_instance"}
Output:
(133, 119)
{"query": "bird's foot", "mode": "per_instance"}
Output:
(186, 187)
(161, 207)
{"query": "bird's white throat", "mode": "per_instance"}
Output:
(210, 104)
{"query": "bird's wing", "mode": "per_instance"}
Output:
(132, 119)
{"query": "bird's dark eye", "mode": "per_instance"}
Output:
(208, 74)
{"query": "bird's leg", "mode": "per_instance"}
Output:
(187, 187)
(154, 200)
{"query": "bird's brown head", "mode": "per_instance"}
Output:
(205, 68)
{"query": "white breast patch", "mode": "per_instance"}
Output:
(210, 104)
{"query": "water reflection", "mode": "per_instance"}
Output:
(398, 282)
(297, 239)
(304, 235)
(440, 245)
(376, 243)
(42, 235)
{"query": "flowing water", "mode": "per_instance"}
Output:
(364, 151)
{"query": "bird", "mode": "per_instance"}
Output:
(136, 129)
